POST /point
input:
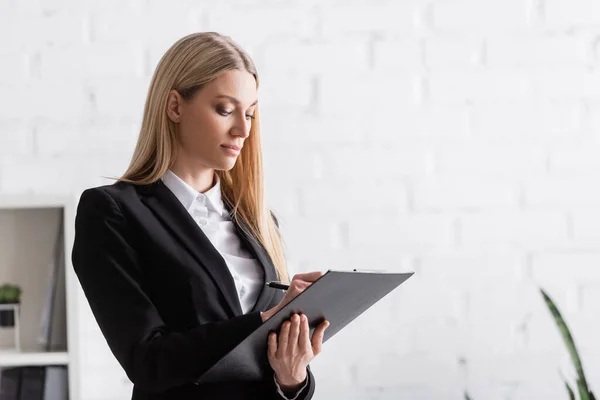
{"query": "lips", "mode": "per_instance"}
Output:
(232, 146)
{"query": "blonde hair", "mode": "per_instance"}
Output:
(187, 66)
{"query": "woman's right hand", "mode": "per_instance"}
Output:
(298, 284)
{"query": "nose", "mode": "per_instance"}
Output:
(241, 126)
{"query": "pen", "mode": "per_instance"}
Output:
(278, 285)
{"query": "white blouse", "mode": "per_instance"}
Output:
(212, 217)
(210, 214)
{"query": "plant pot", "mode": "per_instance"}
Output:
(7, 317)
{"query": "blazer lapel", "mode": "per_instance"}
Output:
(175, 217)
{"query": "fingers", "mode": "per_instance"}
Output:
(317, 338)
(284, 335)
(272, 344)
(297, 286)
(293, 348)
(308, 276)
(294, 332)
(304, 337)
(301, 281)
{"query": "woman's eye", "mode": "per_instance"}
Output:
(226, 113)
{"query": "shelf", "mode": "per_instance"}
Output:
(11, 358)
(34, 255)
(32, 201)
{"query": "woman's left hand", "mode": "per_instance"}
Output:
(290, 353)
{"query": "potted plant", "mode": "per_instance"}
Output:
(9, 295)
(582, 390)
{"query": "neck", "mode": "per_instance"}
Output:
(200, 177)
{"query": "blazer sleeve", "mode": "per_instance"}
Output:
(108, 268)
(305, 394)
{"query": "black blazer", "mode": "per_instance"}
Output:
(162, 294)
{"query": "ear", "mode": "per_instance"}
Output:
(174, 101)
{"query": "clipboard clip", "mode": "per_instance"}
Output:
(367, 270)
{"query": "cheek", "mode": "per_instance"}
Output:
(202, 128)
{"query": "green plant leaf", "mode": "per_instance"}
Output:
(571, 394)
(568, 339)
(583, 393)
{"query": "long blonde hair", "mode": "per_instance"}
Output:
(188, 65)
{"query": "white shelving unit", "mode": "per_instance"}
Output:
(23, 358)
(31, 218)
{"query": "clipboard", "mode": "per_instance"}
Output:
(338, 296)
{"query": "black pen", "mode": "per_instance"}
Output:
(278, 285)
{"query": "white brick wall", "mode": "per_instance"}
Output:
(458, 139)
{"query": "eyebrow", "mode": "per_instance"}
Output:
(233, 99)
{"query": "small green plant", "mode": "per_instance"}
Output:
(582, 387)
(10, 294)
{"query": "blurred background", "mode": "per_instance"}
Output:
(455, 138)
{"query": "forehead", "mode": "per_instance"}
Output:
(234, 83)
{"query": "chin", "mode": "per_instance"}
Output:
(226, 165)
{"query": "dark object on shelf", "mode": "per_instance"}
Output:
(9, 295)
(34, 383)
(7, 317)
(10, 380)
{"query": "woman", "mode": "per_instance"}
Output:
(173, 256)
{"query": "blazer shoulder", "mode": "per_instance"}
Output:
(116, 189)
(113, 194)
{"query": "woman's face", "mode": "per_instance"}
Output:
(218, 115)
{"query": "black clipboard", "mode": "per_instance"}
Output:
(338, 296)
